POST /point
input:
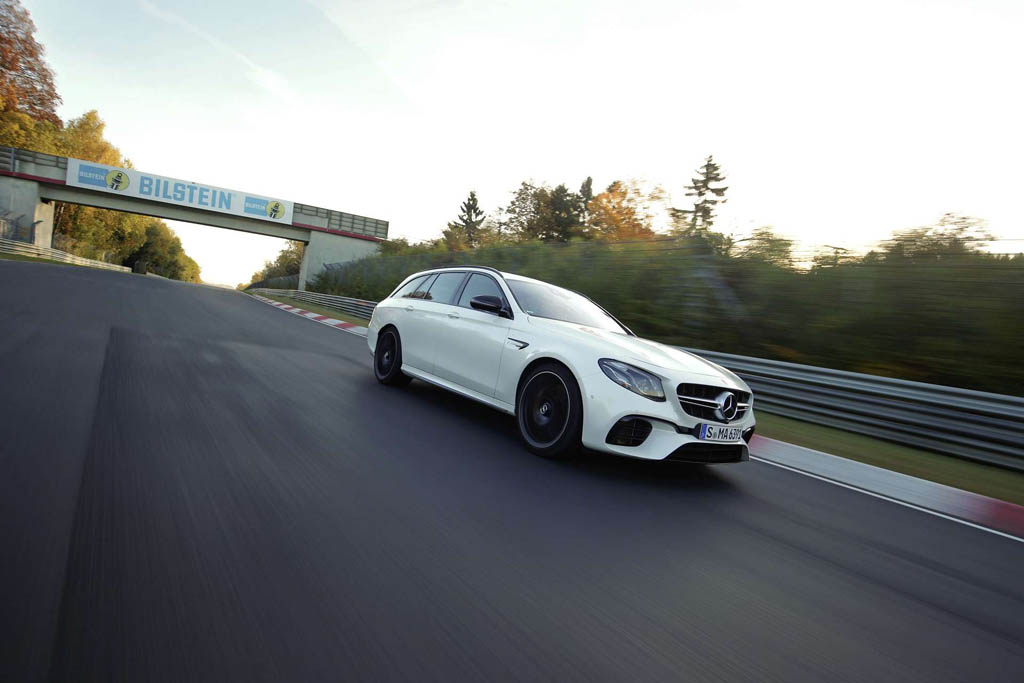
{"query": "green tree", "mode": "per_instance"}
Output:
(586, 194)
(26, 80)
(566, 211)
(287, 262)
(526, 214)
(83, 229)
(707, 193)
(952, 236)
(163, 254)
(395, 245)
(467, 228)
(765, 245)
(82, 138)
(18, 129)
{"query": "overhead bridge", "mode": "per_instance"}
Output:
(31, 181)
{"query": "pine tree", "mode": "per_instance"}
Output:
(586, 194)
(708, 193)
(566, 218)
(467, 226)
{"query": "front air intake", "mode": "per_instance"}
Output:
(629, 431)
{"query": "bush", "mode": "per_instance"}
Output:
(947, 318)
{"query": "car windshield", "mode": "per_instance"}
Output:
(547, 301)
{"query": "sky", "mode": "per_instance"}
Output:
(835, 122)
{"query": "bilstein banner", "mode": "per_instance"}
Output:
(132, 183)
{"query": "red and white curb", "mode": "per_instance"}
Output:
(989, 514)
(315, 317)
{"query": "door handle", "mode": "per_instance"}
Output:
(410, 309)
(454, 315)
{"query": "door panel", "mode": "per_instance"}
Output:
(470, 352)
(417, 348)
(432, 307)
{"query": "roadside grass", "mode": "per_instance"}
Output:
(313, 308)
(987, 480)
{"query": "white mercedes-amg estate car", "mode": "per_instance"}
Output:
(570, 372)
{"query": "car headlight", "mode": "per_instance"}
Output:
(633, 378)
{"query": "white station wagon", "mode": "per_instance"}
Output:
(568, 371)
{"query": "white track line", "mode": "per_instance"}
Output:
(891, 499)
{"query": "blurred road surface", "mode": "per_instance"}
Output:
(195, 486)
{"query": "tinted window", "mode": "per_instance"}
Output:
(479, 284)
(424, 286)
(409, 287)
(547, 301)
(444, 287)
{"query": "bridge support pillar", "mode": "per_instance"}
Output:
(324, 248)
(29, 218)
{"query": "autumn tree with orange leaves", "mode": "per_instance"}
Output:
(622, 212)
(26, 80)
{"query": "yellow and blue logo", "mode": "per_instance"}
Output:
(117, 180)
(257, 206)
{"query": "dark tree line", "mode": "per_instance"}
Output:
(930, 304)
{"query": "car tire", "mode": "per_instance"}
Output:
(549, 411)
(387, 359)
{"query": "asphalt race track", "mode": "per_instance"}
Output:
(195, 486)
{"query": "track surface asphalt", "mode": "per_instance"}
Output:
(197, 486)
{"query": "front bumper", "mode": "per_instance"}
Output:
(673, 433)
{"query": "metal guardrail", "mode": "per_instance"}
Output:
(346, 222)
(963, 423)
(10, 156)
(24, 249)
(355, 307)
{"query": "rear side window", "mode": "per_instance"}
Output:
(421, 291)
(444, 287)
(409, 287)
(479, 284)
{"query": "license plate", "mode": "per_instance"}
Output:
(719, 433)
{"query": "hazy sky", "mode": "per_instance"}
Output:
(835, 122)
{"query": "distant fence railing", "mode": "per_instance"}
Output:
(967, 424)
(280, 282)
(354, 307)
(25, 249)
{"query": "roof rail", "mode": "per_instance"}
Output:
(469, 265)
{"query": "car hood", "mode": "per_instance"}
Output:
(645, 352)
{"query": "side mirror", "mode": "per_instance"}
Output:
(489, 304)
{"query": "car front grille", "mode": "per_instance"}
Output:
(699, 401)
(630, 431)
(708, 452)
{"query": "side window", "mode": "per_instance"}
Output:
(421, 291)
(444, 287)
(479, 284)
(409, 287)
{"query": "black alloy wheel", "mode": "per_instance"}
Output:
(387, 359)
(549, 411)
